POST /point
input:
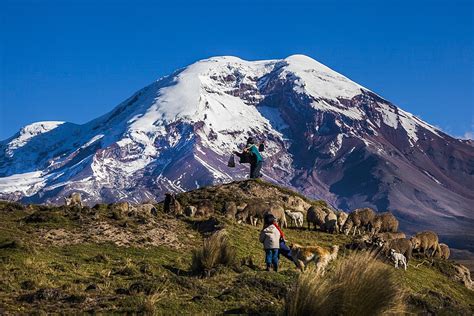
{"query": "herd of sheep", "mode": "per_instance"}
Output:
(373, 230)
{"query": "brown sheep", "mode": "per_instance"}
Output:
(242, 216)
(279, 212)
(385, 222)
(359, 219)
(426, 241)
(361, 242)
(382, 237)
(444, 251)
(330, 223)
(241, 206)
(146, 208)
(171, 204)
(204, 208)
(341, 219)
(121, 207)
(252, 212)
(256, 210)
(230, 210)
(400, 245)
(315, 216)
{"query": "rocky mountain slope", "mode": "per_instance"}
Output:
(326, 136)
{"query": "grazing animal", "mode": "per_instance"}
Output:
(121, 207)
(74, 199)
(303, 255)
(341, 219)
(400, 245)
(315, 216)
(295, 217)
(279, 214)
(242, 216)
(256, 210)
(240, 207)
(230, 209)
(146, 208)
(424, 242)
(463, 275)
(385, 222)
(362, 242)
(383, 237)
(398, 258)
(190, 210)
(444, 252)
(204, 208)
(330, 223)
(362, 218)
(295, 203)
(171, 204)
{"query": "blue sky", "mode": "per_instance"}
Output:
(75, 60)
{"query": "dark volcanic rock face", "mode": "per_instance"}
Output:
(325, 135)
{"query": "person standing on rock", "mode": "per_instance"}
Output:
(251, 154)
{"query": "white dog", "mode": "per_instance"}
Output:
(296, 218)
(398, 258)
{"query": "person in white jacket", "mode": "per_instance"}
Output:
(270, 237)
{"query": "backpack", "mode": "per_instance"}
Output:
(245, 157)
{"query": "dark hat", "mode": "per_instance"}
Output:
(269, 218)
(250, 140)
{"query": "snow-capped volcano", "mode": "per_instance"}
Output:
(325, 135)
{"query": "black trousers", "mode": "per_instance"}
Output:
(255, 170)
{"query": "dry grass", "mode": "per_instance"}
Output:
(147, 303)
(359, 285)
(216, 251)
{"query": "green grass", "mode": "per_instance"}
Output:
(102, 277)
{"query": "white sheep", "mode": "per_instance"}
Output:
(73, 199)
(296, 218)
(398, 258)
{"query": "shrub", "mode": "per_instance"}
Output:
(215, 252)
(360, 285)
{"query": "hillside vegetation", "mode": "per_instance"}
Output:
(68, 259)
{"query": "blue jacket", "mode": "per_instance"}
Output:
(254, 150)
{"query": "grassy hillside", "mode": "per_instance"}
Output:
(99, 260)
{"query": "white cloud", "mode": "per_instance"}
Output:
(468, 135)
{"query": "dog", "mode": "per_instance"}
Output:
(398, 258)
(303, 255)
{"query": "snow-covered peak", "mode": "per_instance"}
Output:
(183, 97)
(218, 59)
(318, 80)
(30, 131)
(219, 89)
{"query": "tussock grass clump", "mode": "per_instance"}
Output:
(216, 251)
(359, 285)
